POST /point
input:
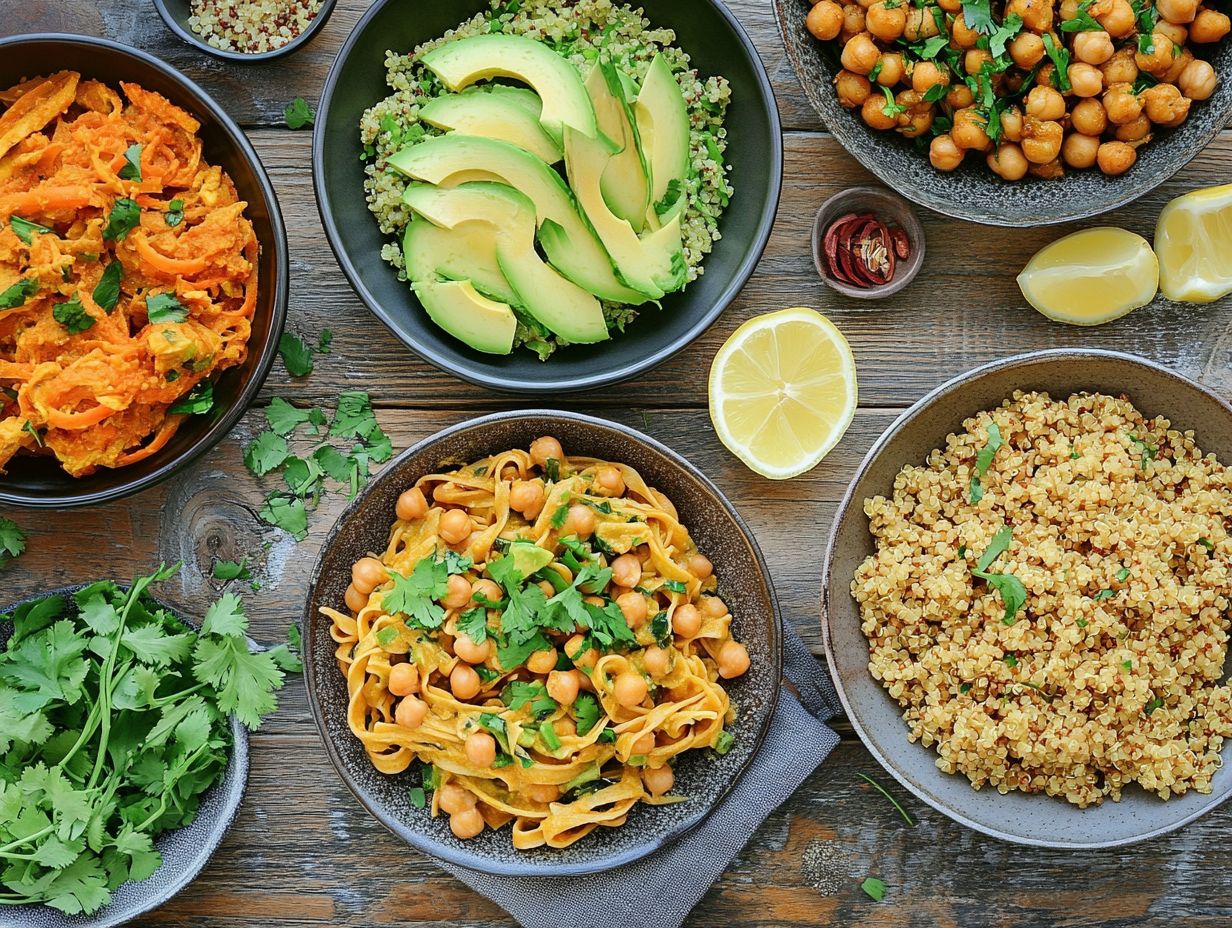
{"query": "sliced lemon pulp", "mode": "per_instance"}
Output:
(1092, 276)
(1193, 239)
(783, 391)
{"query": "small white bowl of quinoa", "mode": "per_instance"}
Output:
(246, 30)
(1028, 594)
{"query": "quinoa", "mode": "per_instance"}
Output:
(251, 26)
(1110, 672)
(578, 31)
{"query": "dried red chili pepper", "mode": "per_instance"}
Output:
(862, 251)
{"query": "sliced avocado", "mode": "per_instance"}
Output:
(493, 116)
(654, 263)
(465, 313)
(555, 301)
(522, 96)
(466, 251)
(572, 247)
(481, 57)
(663, 122)
(625, 181)
(529, 559)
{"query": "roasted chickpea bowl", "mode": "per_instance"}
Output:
(734, 575)
(1090, 102)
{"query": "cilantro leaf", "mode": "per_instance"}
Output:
(73, 316)
(107, 290)
(196, 402)
(12, 540)
(978, 16)
(165, 307)
(1006, 31)
(1060, 61)
(296, 356)
(287, 513)
(415, 596)
(16, 295)
(125, 216)
(132, 166)
(474, 624)
(520, 693)
(268, 451)
(283, 418)
(152, 644)
(25, 230)
(175, 213)
(298, 114)
(324, 341)
(874, 888)
(586, 707)
(231, 570)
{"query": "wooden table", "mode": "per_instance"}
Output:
(303, 853)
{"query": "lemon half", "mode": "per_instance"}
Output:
(1092, 276)
(783, 391)
(1193, 239)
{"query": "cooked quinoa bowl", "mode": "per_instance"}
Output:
(645, 266)
(1028, 591)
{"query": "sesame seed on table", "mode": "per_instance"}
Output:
(304, 853)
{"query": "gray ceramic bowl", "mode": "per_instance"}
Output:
(719, 532)
(975, 193)
(1024, 819)
(185, 851)
(175, 14)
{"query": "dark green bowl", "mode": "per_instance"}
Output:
(717, 44)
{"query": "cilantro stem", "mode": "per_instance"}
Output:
(29, 839)
(894, 802)
(106, 681)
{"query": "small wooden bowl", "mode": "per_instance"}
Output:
(888, 208)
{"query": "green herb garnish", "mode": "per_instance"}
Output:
(132, 163)
(175, 213)
(165, 307)
(73, 316)
(886, 793)
(1060, 61)
(25, 230)
(298, 114)
(1013, 593)
(197, 402)
(107, 290)
(125, 216)
(12, 543)
(16, 295)
(874, 888)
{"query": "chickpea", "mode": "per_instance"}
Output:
(950, 6)
(466, 824)
(916, 117)
(563, 686)
(367, 574)
(959, 97)
(1027, 50)
(464, 647)
(1093, 47)
(927, 75)
(1179, 64)
(1198, 80)
(1036, 14)
(824, 20)
(1209, 26)
(626, 570)
(732, 659)
(1041, 140)
(403, 679)
(455, 526)
(712, 607)
(873, 112)
(687, 620)
(1120, 68)
(1159, 59)
(1174, 31)
(886, 23)
(853, 21)
(975, 58)
(411, 505)
(961, 35)
(1011, 124)
(609, 481)
(1085, 80)
(481, 749)
(542, 661)
(1008, 162)
(700, 566)
(658, 780)
(921, 24)
(1079, 151)
(526, 497)
(657, 660)
(457, 592)
(487, 589)
(1164, 105)
(580, 521)
(860, 54)
(893, 69)
(543, 792)
(1121, 104)
(354, 599)
(546, 449)
(582, 657)
(1051, 170)
(411, 711)
(968, 130)
(1134, 131)
(944, 154)
(453, 799)
(1045, 103)
(633, 605)
(629, 689)
(1177, 11)
(852, 89)
(1116, 158)
(1120, 21)
(464, 682)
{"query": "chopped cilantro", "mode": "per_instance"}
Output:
(1013, 593)
(417, 797)
(12, 544)
(73, 316)
(296, 355)
(874, 888)
(265, 453)
(175, 213)
(287, 513)
(298, 114)
(107, 290)
(25, 230)
(978, 16)
(165, 307)
(232, 570)
(415, 596)
(587, 710)
(125, 216)
(132, 163)
(18, 293)
(1123, 574)
(1060, 61)
(196, 402)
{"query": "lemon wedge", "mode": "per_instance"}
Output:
(1092, 276)
(1193, 239)
(783, 391)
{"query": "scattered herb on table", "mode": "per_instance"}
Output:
(874, 888)
(12, 543)
(296, 355)
(298, 114)
(231, 570)
(886, 793)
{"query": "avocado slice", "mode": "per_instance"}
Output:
(571, 246)
(663, 122)
(529, 559)
(653, 264)
(481, 57)
(555, 301)
(465, 313)
(493, 116)
(522, 96)
(625, 181)
(466, 251)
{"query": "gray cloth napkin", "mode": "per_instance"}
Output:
(660, 890)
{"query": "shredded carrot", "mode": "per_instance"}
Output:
(95, 379)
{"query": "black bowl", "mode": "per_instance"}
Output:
(744, 583)
(185, 851)
(973, 192)
(40, 482)
(175, 14)
(717, 43)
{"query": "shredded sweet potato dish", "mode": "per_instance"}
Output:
(128, 272)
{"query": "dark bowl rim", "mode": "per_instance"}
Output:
(269, 350)
(475, 371)
(951, 387)
(188, 37)
(240, 755)
(847, 133)
(477, 862)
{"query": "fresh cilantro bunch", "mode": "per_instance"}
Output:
(113, 724)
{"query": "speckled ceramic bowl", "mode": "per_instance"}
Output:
(1024, 819)
(975, 193)
(185, 851)
(719, 532)
(176, 13)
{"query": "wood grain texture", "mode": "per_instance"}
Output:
(304, 854)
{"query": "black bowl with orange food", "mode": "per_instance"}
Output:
(38, 480)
